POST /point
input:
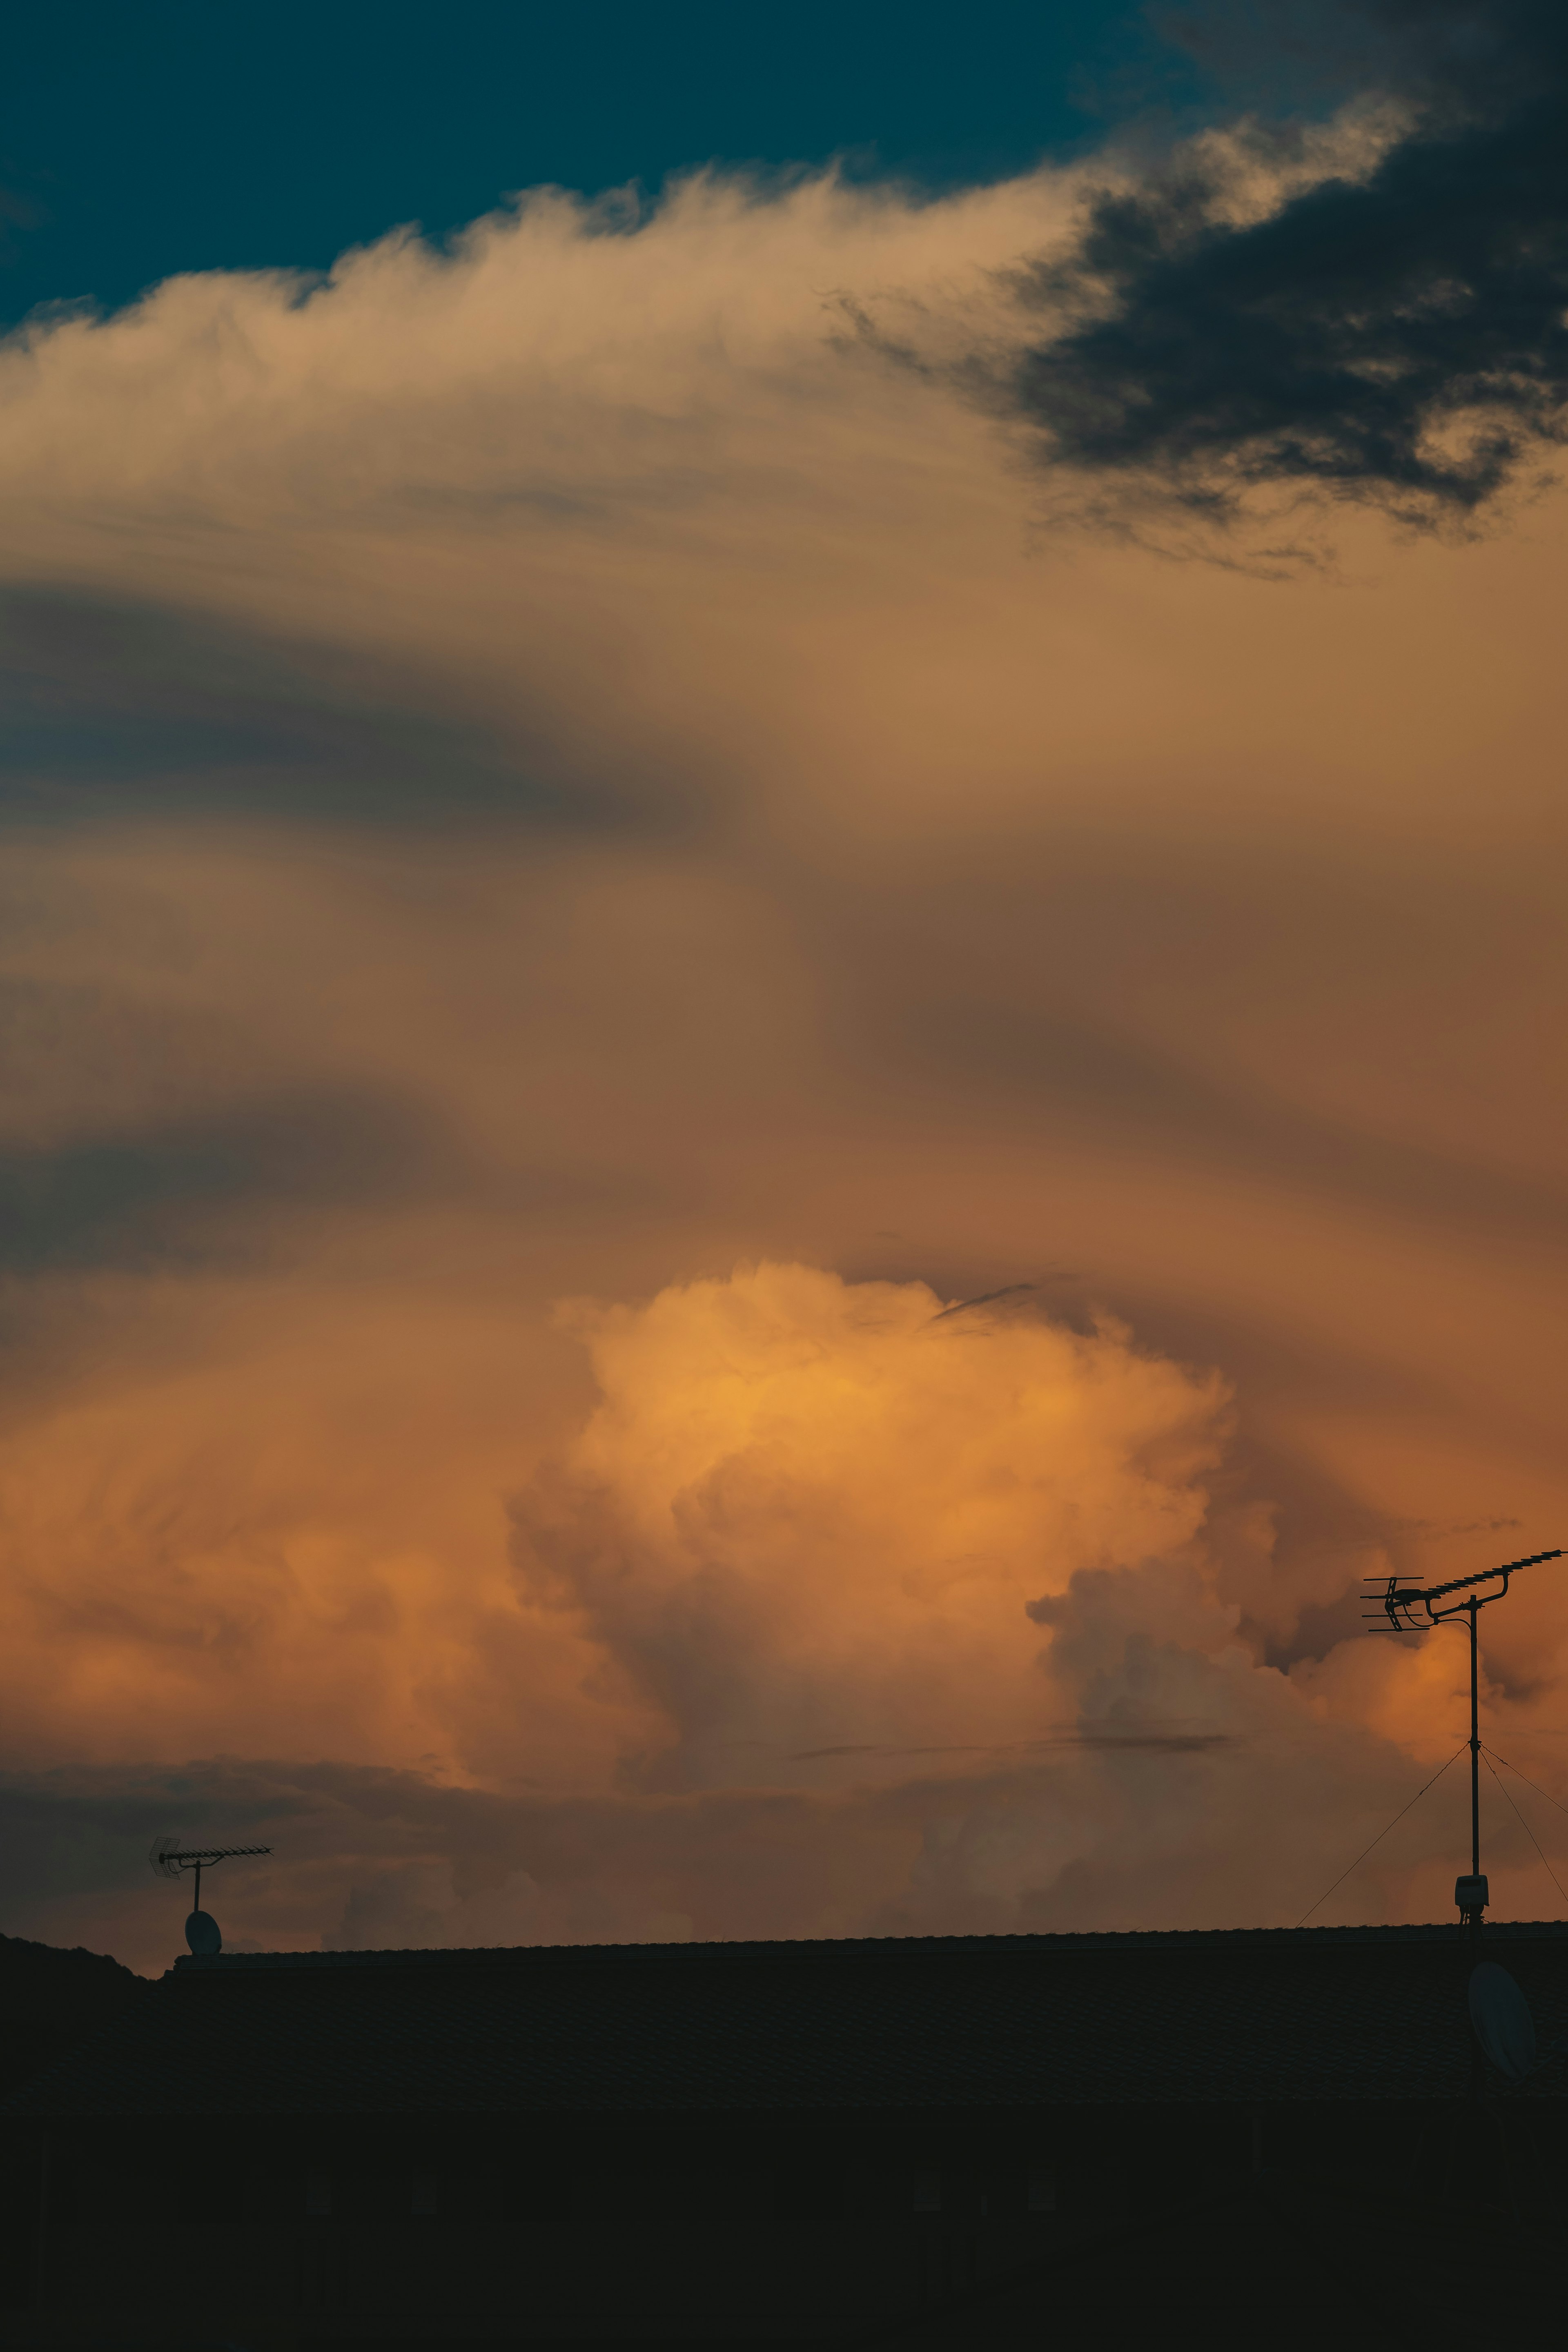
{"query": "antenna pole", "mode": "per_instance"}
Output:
(1473, 1611)
(197, 1905)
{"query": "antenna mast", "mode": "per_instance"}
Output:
(1398, 1603)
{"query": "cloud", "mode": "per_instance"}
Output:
(994, 1551)
(120, 707)
(1391, 331)
(810, 1512)
(180, 1194)
(543, 769)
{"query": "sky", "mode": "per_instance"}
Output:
(134, 146)
(782, 968)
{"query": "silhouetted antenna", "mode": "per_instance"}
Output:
(1397, 1603)
(169, 1859)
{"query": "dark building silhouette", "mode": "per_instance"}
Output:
(1253, 2137)
(50, 1999)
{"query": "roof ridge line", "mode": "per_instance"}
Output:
(869, 1948)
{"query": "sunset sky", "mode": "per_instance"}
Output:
(783, 964)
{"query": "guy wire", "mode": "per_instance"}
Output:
(1523, 1824)
(1383, 1832)
(1528, 1781)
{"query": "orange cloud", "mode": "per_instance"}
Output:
(551, 771)
(811, 1514)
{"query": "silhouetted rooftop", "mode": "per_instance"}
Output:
(897, 2026)
(50, 1999)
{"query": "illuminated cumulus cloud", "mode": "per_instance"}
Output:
(957, 1575)
(810, 1516)
(845, 1611)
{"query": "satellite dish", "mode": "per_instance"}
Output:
(160, 1856)
(202, 1937)
(1504, 2026)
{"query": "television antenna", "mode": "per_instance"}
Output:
(1398, 1604)
(171, 1860)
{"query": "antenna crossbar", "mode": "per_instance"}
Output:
(1459, 1583)
(1395, 1601)
(213, 1852)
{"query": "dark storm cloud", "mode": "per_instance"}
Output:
(338, 1833)
(1164, 1739)
(1398, 339)
(114, 708)
(87, 1827)
(223, 1188)
(365, 1857)
(357, 1849)
(87, 1831)
(169, 1196)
